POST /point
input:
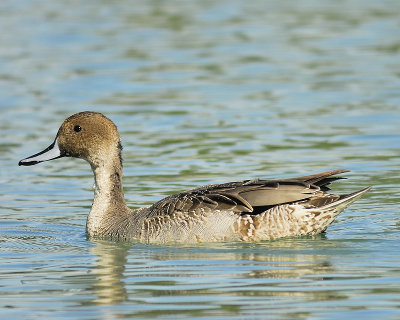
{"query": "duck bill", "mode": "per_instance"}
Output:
(50, 153)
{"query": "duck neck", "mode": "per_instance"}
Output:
(109, 203)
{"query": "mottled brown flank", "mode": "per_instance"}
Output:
(250, 210)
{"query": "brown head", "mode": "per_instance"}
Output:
(86, 135)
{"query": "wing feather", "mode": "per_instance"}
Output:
(245, 196)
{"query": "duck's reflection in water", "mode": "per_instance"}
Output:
(109, 287)
(258, 270)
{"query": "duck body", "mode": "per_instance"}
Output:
(250, 210)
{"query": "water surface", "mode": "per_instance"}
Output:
(202, 92)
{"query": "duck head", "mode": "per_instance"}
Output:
(86, 135)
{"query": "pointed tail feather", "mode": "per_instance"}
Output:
(329, 212)
(345, 200)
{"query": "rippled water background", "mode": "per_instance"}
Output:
(202, 92)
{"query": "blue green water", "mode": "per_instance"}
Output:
(202, 92)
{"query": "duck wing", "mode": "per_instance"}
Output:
(249, 196)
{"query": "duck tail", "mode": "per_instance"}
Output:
(324, 215)
(345, 200)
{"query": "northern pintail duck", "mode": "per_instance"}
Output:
(250, 210)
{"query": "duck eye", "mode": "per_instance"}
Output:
(77, 128)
